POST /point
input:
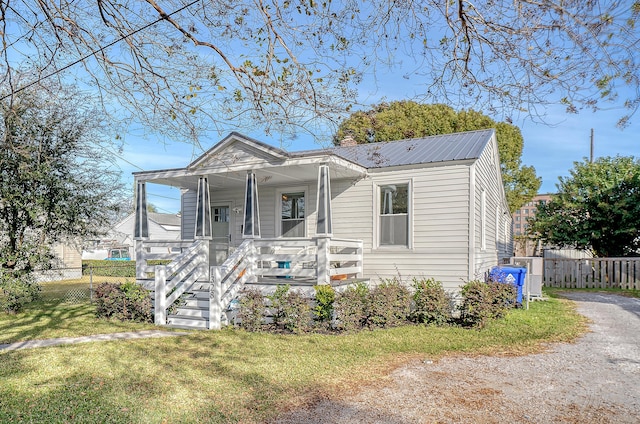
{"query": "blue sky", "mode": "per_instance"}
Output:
(550, 148)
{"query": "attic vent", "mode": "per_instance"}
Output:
(348, 141)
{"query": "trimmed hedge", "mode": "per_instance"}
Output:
(124, 302)
(485, 301)
(103, 268)
(387, 305)
(431, 303)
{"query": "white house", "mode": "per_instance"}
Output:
(161, 226)
(428, 207)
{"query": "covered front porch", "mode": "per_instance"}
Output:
(248, 223)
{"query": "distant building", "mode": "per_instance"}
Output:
(162, 226)
(524, 245)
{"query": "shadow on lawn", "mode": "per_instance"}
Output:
(217, 380)
(44, 319)
(78, 397)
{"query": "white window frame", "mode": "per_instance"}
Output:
(497, 229)
(295, 189)
(376, 212)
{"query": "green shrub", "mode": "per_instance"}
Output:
(323, 310)
(252, 308)
(389, 304)
(124, 269)
(351, 308)
(504, 297)
(296, 312)
(17, 290)
(125, 302)
(277, 302)
(432, 304)
(484, 301)
(290, 310)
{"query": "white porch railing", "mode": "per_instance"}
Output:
(227, 280)
(317, 260)
(173, 280)
(144, 271)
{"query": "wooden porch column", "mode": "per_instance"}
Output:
(323, 225)
(251, 223)
(203, 211)
(141, 228)
(323, 244)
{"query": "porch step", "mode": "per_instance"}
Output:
(189, 322)
(196, 302)
(190, 311)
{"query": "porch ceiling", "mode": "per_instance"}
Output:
(289, 173)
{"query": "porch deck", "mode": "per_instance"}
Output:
(205, 292)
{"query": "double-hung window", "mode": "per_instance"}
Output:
(394, 215)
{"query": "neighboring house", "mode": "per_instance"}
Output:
(525, 245)
(432, 207)
(162, 226)
(66, 264)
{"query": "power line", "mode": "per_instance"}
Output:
(164, 197)
(94, 52)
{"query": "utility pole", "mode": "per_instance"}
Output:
(591, 157)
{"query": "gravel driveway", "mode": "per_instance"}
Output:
(596, 380)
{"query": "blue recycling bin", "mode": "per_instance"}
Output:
(513, 275)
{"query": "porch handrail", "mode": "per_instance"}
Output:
(142, 256)
(228, 279)
(174, 279)
(302, 257)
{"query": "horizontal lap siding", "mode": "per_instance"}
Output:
(487, 179)
(352, 210)
(440, 197)
(235, 154)
(188, 212)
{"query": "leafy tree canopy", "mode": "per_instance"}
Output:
(55, 179)
(408, 119)
(186, 66)
(597, 207)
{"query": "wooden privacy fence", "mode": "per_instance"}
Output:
(621, 273)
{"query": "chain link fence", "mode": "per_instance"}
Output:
(77, 285)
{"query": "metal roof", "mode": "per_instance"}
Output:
(437, 148)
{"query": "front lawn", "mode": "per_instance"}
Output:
(231, 375)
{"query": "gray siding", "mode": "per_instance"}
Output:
(188, 212)
(488, 179)
(439, 234)
(445, 223)
(234, 154)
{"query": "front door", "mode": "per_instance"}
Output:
(221, 234)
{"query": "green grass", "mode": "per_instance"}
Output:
(232, 375)
(557, 292)
(75, 288)
(52, 319)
